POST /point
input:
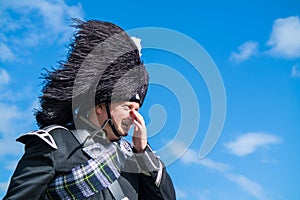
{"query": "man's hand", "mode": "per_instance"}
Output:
(139, 137)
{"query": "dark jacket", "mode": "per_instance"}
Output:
(41, 163)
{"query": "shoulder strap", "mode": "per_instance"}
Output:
(43, 134)
(83, 137)
(116, 191)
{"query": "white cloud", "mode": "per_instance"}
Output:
(4, 77)
(181, 194)
(9, 147)
(249, 186)
(9, 113)
(11, 165)
(285, 38)
(203, 195)
(192, 193)
(245, 52)
(295, 71)
(192, 157)
(32, 23)
(12, 95)
(3, 186)
(284, 42)
(249, 142)
(14, 119)
(13, 123)
(6, 53)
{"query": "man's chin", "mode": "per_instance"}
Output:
(123, 133)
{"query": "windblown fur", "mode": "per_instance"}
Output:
(103, 65)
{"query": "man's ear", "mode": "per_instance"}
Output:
(99, 109)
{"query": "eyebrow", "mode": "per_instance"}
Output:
(129, 104)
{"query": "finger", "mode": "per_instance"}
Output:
(138, 125)
(139, 129)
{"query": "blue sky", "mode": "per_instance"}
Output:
(255, 48)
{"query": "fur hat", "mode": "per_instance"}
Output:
(103, 65)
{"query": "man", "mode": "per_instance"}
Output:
(88, 105)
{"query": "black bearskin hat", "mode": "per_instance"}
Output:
(103, 66)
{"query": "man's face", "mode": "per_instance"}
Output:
(122, 119)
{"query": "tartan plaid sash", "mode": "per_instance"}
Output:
(90, 178)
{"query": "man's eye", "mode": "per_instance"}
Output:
(127, 107)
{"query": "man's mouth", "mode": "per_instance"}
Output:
(126, 124)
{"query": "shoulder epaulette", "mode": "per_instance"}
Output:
(43, 134)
